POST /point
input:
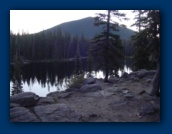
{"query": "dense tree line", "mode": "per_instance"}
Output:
(47, 46)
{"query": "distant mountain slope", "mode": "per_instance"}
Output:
(86, 27)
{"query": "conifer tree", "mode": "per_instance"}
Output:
(17, 84)
(149, 38)
(107, 45)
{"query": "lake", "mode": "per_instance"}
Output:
(43, 78)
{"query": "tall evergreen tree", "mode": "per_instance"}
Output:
(150, 39)
(17, 83)
(107, 44)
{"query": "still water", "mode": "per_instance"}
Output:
(43, 78)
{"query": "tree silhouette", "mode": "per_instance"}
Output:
(107, 45)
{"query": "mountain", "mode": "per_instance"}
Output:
(86, 27)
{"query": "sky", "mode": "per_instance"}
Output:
(33, 21)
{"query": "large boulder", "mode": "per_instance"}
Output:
(21, 114)
(89, 80)
(124, 75)
(25, 99)
(46, 100)
(90, 88)
(12, 105)
(56, 113)
(113, 79)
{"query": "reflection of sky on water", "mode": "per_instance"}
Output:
(43, 90)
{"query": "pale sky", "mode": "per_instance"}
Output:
(32, 21)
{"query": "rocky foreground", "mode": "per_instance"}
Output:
(124, 99)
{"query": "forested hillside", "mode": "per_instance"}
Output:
(60, 42)
(88, 29)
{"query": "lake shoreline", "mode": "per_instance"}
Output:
(124, 99)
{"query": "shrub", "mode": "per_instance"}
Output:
(76, 81)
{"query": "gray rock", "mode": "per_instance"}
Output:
(25, 99)
(124, 75)
(113, 78)
(106, 93)
(53, 94)
(121, 89)
(59, 94)
(141, 92)
(45, 100)
(146, 110)
(89, 80)
(117, 103)
(12, 105)
(93, 94)
(90, 88)
(121, 80)
(129, 96)
(148, 81)
(21, 114)
(56, 113)
(71, 90)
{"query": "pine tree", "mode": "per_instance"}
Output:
(78, 62)
(17, 84)
(149, 40)
(107, 45)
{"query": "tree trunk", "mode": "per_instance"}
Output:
(156, 83)
(107, 48)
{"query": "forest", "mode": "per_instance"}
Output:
(106, 49)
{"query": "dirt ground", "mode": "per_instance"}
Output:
(122, 101)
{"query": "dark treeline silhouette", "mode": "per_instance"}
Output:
(47, 46)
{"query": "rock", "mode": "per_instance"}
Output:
(147, 110)
(59, 95)
(90, 88)
(71, 90)
(117, 102)
(156, 106)
(45, 100)
(148, 81)
(121, 80)
(125, 92)
(112, 89)
(113, 79)
(93, 94)
(106, 93)
(129, 96)
(135, 78)
(142, 92)
(124, 75)
(56, 113)
(21, 114)
(25, 99)
(12, 105)
(53, 94)
(89, 80)
(121, 89)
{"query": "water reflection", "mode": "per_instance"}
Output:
(43, 78)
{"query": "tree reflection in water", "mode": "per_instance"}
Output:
(43, 78)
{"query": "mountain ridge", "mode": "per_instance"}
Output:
(85, 26)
